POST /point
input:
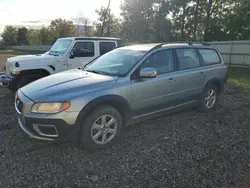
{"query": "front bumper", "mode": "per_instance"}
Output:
(4, 80)
(46, 127)
(48, 130)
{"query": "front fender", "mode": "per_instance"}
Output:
(49, 69)
(120, 102)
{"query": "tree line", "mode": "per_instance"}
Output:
(149, 21)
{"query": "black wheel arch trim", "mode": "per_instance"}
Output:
(52, 67)
(220, 83)
(112, 100)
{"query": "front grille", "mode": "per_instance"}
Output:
(19, 105)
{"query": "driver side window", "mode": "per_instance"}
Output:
(162, 61)
(84, 49)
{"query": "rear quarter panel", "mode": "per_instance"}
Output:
(216, 72)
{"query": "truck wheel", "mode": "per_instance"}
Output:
(12, 88)
(101, 128)
(27, 79)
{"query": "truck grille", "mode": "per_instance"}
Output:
(7, 68)
(19, 106)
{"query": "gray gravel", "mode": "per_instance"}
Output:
(185, 149)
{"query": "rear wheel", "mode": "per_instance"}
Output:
(209, 98)
(101, 128)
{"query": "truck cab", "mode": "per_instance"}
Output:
(65, 54)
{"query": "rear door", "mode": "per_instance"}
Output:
(84, 52)
(190, 76)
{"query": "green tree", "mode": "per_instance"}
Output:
(45, 36)
(107, 26)
(62, 28)
(22, 36)
(33, 37)
(237, 21)
(137, 20)
(161, 26)
(9, 35)
(146, 21)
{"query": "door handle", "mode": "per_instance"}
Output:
(202, 73)
(170, 80)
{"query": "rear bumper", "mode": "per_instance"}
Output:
(4, 80)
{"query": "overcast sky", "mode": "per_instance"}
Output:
(34, 12)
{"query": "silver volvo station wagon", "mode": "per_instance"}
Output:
(129, 84)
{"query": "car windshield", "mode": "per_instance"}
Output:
(60, 47)
(116, 63)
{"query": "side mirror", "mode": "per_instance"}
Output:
(71, 55)
(148, 73)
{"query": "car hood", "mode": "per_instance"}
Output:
(22, 59)
(66, 85)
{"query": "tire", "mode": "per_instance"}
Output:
(12, 88)
(92, 129)
(27, 79)
(209, 99)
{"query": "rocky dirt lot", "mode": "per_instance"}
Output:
(186, 149)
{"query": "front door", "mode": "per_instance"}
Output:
(150, 95)
(84, 52)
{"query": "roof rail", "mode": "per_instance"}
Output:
(206, 44)
(202, 43)
(126, 44)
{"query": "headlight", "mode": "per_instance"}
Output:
(50, 108)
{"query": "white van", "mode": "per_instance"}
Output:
(66, 53)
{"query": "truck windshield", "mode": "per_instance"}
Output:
(115, 63)
(60, 47)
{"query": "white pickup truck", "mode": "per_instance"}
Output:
(65, 54)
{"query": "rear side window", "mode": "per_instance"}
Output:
(106, 47)
(187, 58)
(209, 56)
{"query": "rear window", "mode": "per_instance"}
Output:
(209, 56)
(106, 47)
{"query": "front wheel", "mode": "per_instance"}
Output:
(27, 79)
(209, 98)
(101, 128)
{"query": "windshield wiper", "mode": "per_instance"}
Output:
(94, 71)
(54, 53)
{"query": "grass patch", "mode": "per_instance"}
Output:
(11, 53)
(239, 76)
(15, 52)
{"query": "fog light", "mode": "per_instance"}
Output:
(46, 130)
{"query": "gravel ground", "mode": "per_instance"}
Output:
(185, 149)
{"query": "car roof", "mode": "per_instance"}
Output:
(150, 46)
(187, 45)
(92, 38)
(140, 47)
